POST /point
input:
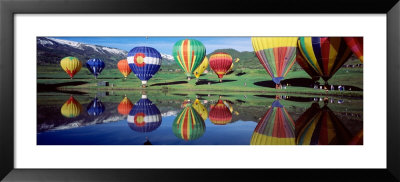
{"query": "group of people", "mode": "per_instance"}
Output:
(340, 87)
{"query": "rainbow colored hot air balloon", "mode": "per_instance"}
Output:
(200, 69)
(320, 126)
(144, 116)
(220, 63)
(71, 65)
(95, 107)
(276, 54)
(356, 45)
(125, 106)
(220, 114)
(188, 125)
(124, 68)
(201, 110)
(325, 54)
(306, 66)
(276, 127)
(189, 53)
(95, 66)
(144, 62)
(72, 108)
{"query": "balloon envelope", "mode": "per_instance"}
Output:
(95, 66)
(124, 68)
(71, 109)
(144, 62)
(276, 54)
(356, 45)
(220, 63)
(200, 109)
(189, 53)
(306, 66)
(144, 116)
(95, 107)
(125, 106)
(220, 114)
(188, 125)
(200, 69)
(71, 65)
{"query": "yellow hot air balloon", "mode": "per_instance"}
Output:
(72, 108)
(201, 110)
(230, 69)
(71, 65)
(200, 69)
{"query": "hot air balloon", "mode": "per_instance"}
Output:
(71, 65)
(320, 126)
(200, 69)
(357, 139)
(188, 125)
(356, 45)
(276, 54)
(325, 54)
(144, 116)
(124, 68)
(189, 53)
(306, 66)
(201, 110)
(125, 106)
(72, 108)
(276, 127)
(144, 62)
(95, 66)
(220, 114)
(220, 63)
(95, 107)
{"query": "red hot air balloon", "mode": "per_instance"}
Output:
(125, 106)
(306, 66)
(124, 68)
(220, 114)
(356, 45)
(220, 63)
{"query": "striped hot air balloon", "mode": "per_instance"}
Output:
(220, 114)
(72, 108)
(71, 65)
(220, 63)
(144, 62)
(356, 45)
(357, 139)
(306, 66)
(189, 53)
(276, 127)
(125, 106)
(201, 110)
(276, 54)
(144, 116)
(320, 126)
(188, 125)
(124, 68)
(95, 66)
(95, 107)
(325, 54)
(200, 69)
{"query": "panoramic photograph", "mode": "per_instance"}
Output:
(199, 90)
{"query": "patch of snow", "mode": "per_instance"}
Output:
(114, 51)
(45, 42)
(69, 43)
(169, 113)
(166, 56)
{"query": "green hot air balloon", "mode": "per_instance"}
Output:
(188, 125)
(189, 54)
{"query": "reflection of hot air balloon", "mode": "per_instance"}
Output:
(124, 68)
(357, 139)
(144, 116)
(229, 105)
(320, 126)
(220, 63)
(200, 109)
(356, 45)
(125, 106)
(71, 65)
(95, 66)
(144, 62)
(188, 125)
(306, 66)
(72, 108)
(325, 54)
(276, 54)
(95, 107)
(200, 69)
(189, 53)
(275, 128)
(220, 114)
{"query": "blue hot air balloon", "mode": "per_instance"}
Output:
(144, 116)
(144, 62)
(95, 107)
(95, 66)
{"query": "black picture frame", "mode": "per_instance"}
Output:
(9, 8)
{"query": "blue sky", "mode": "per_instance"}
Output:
(165, 44)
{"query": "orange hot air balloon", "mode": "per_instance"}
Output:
(125, 106)
(124, 68)
(220, 63)
(220, 114)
